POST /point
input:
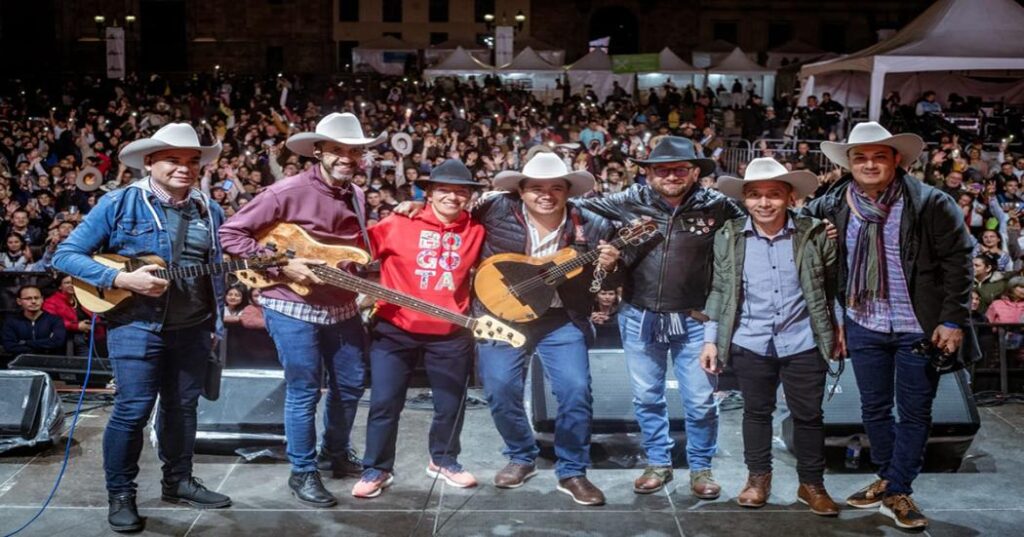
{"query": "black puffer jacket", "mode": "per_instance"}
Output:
(502, 217)
(672, 275)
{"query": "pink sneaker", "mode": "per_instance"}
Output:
(372, 484)
(453, 475)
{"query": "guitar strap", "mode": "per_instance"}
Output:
(359, 205)
(178, 245)
(580, 237)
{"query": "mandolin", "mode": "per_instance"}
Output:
(99, 300)
(519, 288)
(301, 244)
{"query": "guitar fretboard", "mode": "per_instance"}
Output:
(202, 270)
(351, 282)
(585, 259)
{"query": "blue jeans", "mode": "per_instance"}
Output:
(886, 368)
(393, 356)
(170, 364)
(305, 351)
(563, 353)
(647, 361)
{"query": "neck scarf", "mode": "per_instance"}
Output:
(868, 273)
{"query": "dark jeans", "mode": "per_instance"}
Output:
(306, 350)
(170, 364)
(886, 368)
(393, 356)
(803, 382)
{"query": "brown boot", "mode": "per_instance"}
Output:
(703, 485)
(652, 480)
(582, 490)
(755, 494)
(513, 475)
(817, 498)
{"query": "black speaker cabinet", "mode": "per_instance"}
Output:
(612, 394)
(20, 400)
(955, 417)
(249, 412)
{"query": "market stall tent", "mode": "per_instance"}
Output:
(387, 55)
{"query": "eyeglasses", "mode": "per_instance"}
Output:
(678, 171)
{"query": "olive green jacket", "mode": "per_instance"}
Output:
(816, 258)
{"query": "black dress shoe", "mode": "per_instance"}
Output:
(123, 515)
(192, 492)
(309, 489)
(347, 464)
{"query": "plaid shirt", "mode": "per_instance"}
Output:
(165, 196)
(325, 315)
(895, 315)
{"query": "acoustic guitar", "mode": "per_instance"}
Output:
(520, 288)
(299, 243)
(99, 300)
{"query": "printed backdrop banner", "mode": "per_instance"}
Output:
(115, 53)
(503, 42)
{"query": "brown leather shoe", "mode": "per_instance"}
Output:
(513, 475)
(652, 480)
(869, 496)
(906, 513)
(755, 494)
(817, 498)
(582, 490)
(703, 485)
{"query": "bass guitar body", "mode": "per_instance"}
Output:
(293, 241)
(519, 288)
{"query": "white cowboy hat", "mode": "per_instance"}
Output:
(546, 166)
(170, 136)
(871, 133)
(341, 128)
(804, 183)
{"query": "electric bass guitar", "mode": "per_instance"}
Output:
(299, 243)
(99, 300)
(520, 288)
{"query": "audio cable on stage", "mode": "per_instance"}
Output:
(71, 432)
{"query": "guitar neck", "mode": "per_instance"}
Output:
(350, 282)
(202, 270)
(585, 259)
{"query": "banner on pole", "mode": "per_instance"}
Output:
(115, 52)
(503, 44)
(635, 63)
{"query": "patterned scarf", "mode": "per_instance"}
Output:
(868, 272)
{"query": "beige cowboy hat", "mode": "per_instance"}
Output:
(170, 136)
(804, 183)
(546, 166)
(909, 146)
(340, 128)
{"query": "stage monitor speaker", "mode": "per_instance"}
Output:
(249, 412)
(20, 400)
(955, 418)
(612, 393)
(67, 369)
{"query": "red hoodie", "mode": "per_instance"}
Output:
(61, 305)
(427, 259)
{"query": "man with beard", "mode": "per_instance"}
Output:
(321, 331)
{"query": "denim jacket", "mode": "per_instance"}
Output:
(131, 222)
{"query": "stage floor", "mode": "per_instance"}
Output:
(986, 498)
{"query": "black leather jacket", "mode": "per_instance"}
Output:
(672, 275)
(502, 217)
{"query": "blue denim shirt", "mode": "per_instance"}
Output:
(131, 222)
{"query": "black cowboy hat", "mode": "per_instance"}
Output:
(450, 172)
(677, 149)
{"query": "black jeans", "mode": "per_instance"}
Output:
(803, 382)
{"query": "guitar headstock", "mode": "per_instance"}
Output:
(639, 232)
(488, 327)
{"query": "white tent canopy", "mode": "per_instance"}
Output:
(387, 55)
(529, 71)
(714, 52)
(951, 35)
(459, 63)
(595, 70)
(738, 65)
(671, 69)
(549, 53)
(440, 51)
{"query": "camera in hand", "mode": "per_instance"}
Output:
(941, 361)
